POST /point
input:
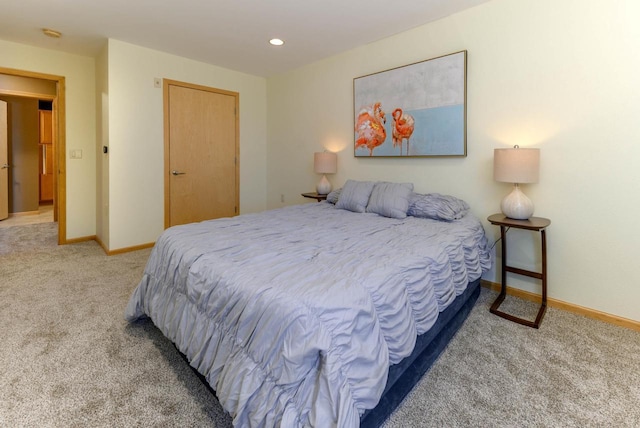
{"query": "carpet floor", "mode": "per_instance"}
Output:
(69, 359)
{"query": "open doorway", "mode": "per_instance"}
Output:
(27, 151)
(46, 188)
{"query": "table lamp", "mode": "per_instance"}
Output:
(516, 166)
(324, 163)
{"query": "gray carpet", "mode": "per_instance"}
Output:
(68, 358)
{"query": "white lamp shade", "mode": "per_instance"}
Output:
(516, 165)
(325, 163)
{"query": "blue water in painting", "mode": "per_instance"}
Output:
(438, 131)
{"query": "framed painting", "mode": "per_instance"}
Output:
(413, 111)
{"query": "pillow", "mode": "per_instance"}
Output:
(333, 196)
(390, 199)
(437, 206)
(355, 195)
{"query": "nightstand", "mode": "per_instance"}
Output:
(537, 224)
(315, 195)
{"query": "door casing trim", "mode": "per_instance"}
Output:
(59, 124)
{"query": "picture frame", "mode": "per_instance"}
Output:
(416, 110)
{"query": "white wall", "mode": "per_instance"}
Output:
(80, 126)
(561, 75)
(136, 145)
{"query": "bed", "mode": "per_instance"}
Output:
(321, 314)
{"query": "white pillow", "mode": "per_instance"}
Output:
(390, 199)
(355, 195)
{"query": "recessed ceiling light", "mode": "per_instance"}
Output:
(51, 33)
(276, 42)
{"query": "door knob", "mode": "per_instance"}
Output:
(5, 166)
(174, 172)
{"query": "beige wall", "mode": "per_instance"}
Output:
(560, 75)
(79, 76)
(135, 189)
(23, 137)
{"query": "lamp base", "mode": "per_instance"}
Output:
(517, 205)
(323, 187)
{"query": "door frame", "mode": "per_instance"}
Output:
(167, 152)
(59, 135)
(4, 158)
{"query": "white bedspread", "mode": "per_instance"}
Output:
(294, 315)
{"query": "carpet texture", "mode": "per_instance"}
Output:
(68, 358)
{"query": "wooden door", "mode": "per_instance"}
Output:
(201, 153)
(46, 155)
(4, 162)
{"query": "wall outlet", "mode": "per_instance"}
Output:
(282, 197)
(75, 154)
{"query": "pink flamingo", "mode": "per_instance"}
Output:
(402, 128)
(370, 127)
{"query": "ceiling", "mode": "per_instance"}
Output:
(232, 34)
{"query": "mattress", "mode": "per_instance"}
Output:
(295, 315)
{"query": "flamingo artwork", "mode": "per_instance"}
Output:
(370, 127)
(403, 125)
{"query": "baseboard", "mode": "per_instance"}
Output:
(104, 247)
(569, 307)
(23, 213)
(122, 250)
(78, 240)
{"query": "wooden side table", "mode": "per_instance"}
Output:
(537, 224)
(315, 195)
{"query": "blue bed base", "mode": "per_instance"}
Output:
(406, 374)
